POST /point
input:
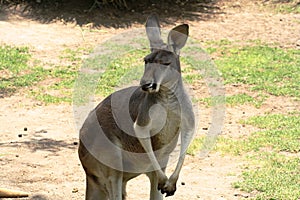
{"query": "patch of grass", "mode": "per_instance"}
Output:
(241, 99)
(14, 59)
(66, 76)
(274, 177)
(195, 146)
(289, 6)
(270, 140)
(75, 55)
(61, 78)
(238, 99)
(274, 167)
(197, 64)
(16, 81)
(17, 73)
(48, 98)
(121, 71)
(102, 73)
(264, 68)
(276, 121)
(191, 78)
(15, 70)
(57, 85)
(281, 134)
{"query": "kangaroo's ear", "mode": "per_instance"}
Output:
(153, 32)
(178, 37)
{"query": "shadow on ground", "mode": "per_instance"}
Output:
(38, 197)
(45, 144)
(136, 12)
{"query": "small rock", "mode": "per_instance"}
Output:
(241, 195)
(182, 183)
(75, 143)
(39, 104)
(20, 135)
(298, 44)
(25, 129)
(75, 190)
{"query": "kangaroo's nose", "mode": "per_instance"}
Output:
(149, 86)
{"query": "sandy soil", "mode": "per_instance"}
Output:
(39, 143)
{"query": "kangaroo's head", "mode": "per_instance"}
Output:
(162, 66)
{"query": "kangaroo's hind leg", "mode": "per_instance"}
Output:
(155, 194)
(94, 190)
(115, 184)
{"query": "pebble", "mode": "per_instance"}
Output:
(75, 190)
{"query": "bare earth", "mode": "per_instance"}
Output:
(44, 161)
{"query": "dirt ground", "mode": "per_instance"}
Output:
(43, 159)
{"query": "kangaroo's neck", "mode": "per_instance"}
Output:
(170, 95)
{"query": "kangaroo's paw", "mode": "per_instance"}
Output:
(168, 188)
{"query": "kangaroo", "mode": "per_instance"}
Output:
(133, 131)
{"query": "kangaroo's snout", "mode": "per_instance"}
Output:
(150, 87)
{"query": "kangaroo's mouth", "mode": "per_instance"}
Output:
(150, 87)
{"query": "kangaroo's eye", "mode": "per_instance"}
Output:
(162, 62)
(165, 63)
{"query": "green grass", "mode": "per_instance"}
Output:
(290, 6)
(271, 173)
(60, 86)
(238, 99)
(265, 68)
(242, 99)
(273, 177)
(14, 59)
(18, 73)
(121, 71)
(280, 134)
(195, 146)
(16, 81)
(275, 121)
(273, 140)
(75, 55)
(15, 70)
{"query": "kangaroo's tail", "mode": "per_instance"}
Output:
(6, 193)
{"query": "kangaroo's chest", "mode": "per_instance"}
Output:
(166, 135)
